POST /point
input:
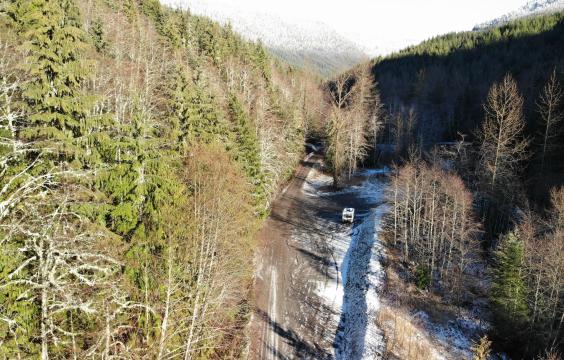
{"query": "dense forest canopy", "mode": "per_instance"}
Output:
(140, 147)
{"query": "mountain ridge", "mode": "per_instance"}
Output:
(300, 43)
(532, 8)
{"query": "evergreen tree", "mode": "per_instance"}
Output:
(206, 34)
(18, 309)
(140, 182)
(19, 313)
(178, 101)
(52, 134)
(130, 10)
(172, 29)
(508, 293)
(98, 36)
(246, 149)
(159, 165)
(261, 61)
(57, 107)
(205, 123)
(152, 8)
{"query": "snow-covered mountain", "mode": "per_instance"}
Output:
(535, 7)
(299, 42)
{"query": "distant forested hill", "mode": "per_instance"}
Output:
(446, 79)
(302, 43)
(139, 148)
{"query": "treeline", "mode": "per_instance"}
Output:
(140, 147)
(445, 80)
(474, 122)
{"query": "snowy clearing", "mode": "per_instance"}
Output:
(352, 285)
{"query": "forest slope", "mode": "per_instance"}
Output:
(477, 117)
(446, 79)
(140, 149)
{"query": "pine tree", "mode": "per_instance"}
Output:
(57, 107)
(508, 293)
(246, 149)
(98, 36)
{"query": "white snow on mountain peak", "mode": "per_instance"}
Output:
(332, 35)
(291, 32)
(532, 8)
(297, 40)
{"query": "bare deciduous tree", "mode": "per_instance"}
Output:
(550, 108)
(354, 120)
(218, 212)
(62, 263)
(544, 268)
(432, 217)
(503, 147)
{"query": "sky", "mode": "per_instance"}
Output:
(380, 23)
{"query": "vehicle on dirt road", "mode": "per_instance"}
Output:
(348, 215)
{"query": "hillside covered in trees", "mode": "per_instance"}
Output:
(140, 147)
(474, 123)
(446, 79)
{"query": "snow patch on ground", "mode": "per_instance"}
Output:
(319, 184)
(456, 337)
(315, 182)
(352, 285)
(362, 277)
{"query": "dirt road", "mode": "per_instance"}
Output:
(301, 290)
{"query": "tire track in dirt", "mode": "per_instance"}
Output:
(270, 337)
(295, 257)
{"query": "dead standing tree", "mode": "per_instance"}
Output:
(502, 151)
(340, 95)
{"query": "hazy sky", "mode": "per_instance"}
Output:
(381, 23)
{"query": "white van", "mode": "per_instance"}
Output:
(348, 215)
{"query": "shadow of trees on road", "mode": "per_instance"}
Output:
(351, 332)
(300, 349)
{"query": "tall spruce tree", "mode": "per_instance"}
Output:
(57, 107)
(246, 149)
(98, 36)
(178, 101)
(508, 293)
(205, 124)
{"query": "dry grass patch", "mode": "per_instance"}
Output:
(404, 339)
